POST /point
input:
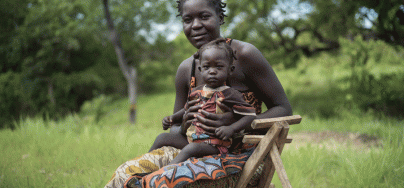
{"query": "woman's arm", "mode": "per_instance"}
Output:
(182, 81)
(265, 83)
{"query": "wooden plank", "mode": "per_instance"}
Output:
(267, 123)
(280, 169)
(254, 139)
(258, 155)
(269, 170)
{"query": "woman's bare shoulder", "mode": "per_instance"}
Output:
(185, 67)
(247, 52)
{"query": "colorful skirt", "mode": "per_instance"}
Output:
(151, 170)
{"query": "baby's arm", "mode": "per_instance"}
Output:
(168, 121)
(225, 132)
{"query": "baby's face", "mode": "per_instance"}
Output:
(214, 67)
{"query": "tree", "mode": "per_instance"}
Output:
(283, 27)
(129, 70)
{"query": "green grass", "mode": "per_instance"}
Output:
(75, 151)
(78, 152)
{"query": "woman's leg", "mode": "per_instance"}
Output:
(176, 140)
(194, 150)
(175, 129)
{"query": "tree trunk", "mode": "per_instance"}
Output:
(51, 96)
(132, 91)
(128, 71)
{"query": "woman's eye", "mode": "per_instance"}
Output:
(186, 20)
(205, 17)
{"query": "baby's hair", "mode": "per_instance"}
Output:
(217, 4)
(219, 43)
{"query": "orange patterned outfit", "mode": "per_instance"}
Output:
(208, 98)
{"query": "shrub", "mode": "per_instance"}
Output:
(376, 75)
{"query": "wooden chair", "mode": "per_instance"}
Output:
(268, 151)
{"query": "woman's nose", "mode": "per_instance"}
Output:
(196, 24)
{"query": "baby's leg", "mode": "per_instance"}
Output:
(176, 140)
(194, 150)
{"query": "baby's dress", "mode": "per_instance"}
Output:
(208, 98)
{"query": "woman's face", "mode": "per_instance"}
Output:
(200, 22)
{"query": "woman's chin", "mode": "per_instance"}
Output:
(199, 43)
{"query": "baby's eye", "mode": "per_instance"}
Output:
(205, 67)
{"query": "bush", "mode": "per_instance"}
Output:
(376, 75)
(20, 95)
(10, 92)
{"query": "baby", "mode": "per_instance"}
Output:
(216, 65)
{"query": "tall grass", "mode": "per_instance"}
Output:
(314, 166)
(79, 151)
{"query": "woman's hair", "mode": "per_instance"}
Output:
(219, 43)
(217, 4)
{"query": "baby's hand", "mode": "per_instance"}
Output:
(224, 132)
(167, 122)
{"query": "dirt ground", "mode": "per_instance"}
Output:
(334, 140)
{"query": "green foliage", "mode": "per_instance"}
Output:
(363, 76)
(159, 67)
(376, 75)
(59, 54)
(10, 105)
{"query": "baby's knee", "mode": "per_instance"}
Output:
(191, 149)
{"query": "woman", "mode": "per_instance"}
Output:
(253, 76)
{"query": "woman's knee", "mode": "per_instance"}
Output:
(170, 139)
(163, 137)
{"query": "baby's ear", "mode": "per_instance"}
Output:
(232, 67)
(199, 68)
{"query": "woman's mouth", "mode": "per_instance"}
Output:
(198, 37)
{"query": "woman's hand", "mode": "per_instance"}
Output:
(212, 121)
(191, 109)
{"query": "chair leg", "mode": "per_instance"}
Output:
(258, 155)
(267, 173)
(269, 170)
(280, 169)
